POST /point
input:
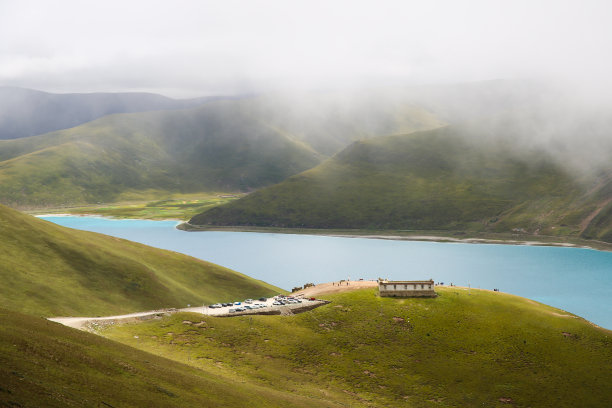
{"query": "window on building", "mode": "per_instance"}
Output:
(422, 286)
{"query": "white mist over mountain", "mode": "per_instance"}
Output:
(192, 48)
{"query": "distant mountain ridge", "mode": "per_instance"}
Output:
(27, 112)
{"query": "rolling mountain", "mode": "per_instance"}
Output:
(49, 270)
(445, 179)
(232, 145)
(26, 112)
(212, 148)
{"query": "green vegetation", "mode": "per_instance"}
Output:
(462, 349)
(173, 206)
(227, 145)
(213, 148)
(54, 271)
(44, 364)
(444, 179)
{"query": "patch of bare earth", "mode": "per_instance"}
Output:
(335, 287)
(585, 223)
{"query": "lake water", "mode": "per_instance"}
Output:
(574, 279)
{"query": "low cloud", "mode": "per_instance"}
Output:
(193, 48)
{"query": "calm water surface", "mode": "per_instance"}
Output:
(573, 279)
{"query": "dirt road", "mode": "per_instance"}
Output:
(81, 322)
(91, 323)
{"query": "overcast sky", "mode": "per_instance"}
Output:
(193, 48)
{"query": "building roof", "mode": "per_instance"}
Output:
(427, 282)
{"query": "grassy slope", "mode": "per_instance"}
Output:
(218, 147)
(48, 270)
(432, 180)
(457, 350)
(232, 145)
(44, 364)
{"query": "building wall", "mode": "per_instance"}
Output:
(405, 286)
(406, 290)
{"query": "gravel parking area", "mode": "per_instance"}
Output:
(288, 305)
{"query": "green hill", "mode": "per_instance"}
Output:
(224, 145)
(213, 148)
(458, 350)
(444, 179)
(44, 364)
(49, 270)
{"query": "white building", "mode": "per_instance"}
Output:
(406, 288)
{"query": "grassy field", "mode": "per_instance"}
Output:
(50, 270)
(443, 180)
(142, 205)
(44, 364)
(462, 349)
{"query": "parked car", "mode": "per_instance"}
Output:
(312, 298)
(248, 301)
(237, 303)
(262, 299)
(232, 310)
(276, 303)
(215, 306)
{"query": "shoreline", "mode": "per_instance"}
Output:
(431, 238)
(422, 236)
(106, 217)
(419, 236)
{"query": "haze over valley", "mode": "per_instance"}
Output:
(198, 123)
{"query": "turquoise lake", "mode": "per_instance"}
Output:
(573, 279)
